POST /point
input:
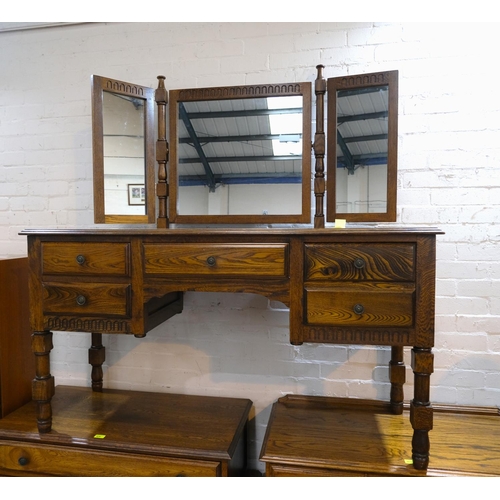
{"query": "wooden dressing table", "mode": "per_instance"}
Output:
(360, 285)
(365, 284)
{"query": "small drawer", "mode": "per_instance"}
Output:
(86, 259)
(87, 299)
(279, 470)
(60, 461)
(350, 262)
(381, 305)
(214, 259)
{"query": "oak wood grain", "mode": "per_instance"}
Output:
(192, 435)
(311, 436)
(17, 364)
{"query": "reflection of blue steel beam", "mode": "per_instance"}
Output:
(193, 180)
(365, 138)
(366, 116)
(220, 159)
(196, 143)
(364, 160)
(245, 138)
(348, 163)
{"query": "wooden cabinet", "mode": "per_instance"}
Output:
(128, 433)
(319, 436)
(17, 365)
(361, 285)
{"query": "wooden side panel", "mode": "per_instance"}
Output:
(17, 363)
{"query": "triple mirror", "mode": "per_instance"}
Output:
(242, 154)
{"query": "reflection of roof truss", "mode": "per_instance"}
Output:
(362, 116)
(206, 135)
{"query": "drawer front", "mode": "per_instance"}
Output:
(363, 306)
(59, 461)
(278, 470)
(86, 259)
(87, 299)
(349, 262)
(213, 259)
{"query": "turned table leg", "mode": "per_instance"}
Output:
(422, 363)
(43, 384)
(97, 355)
(397, 375)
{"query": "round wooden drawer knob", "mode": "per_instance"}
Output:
(81, 300)
(359, 309)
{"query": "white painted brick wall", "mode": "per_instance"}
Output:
(237, 345)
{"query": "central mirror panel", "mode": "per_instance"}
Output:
(241, 154)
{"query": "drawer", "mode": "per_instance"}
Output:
(350, 262)
(279, 470)
(86, 259)
(216, 259)
(87, 299)
(60, 461)
(363, 305)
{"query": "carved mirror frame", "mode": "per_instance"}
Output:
(368, 82)
(100, 85)
(225, 93)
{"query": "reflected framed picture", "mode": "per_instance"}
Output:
(136, 194)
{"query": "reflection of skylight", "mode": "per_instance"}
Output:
(287, 125)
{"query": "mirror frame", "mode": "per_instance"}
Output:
(102, 84)
(241, 92)
(389, 78)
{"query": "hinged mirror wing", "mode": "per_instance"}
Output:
(240, 154)
(123, 151)
(362, 147)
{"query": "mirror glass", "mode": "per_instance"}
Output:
(362, 147)
(122, 151)
(241, 154)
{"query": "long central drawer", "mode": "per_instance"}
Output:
(256, 260)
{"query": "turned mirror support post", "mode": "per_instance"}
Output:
(319, 148)
(161, 98)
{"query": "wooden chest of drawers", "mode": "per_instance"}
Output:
(128, 433)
